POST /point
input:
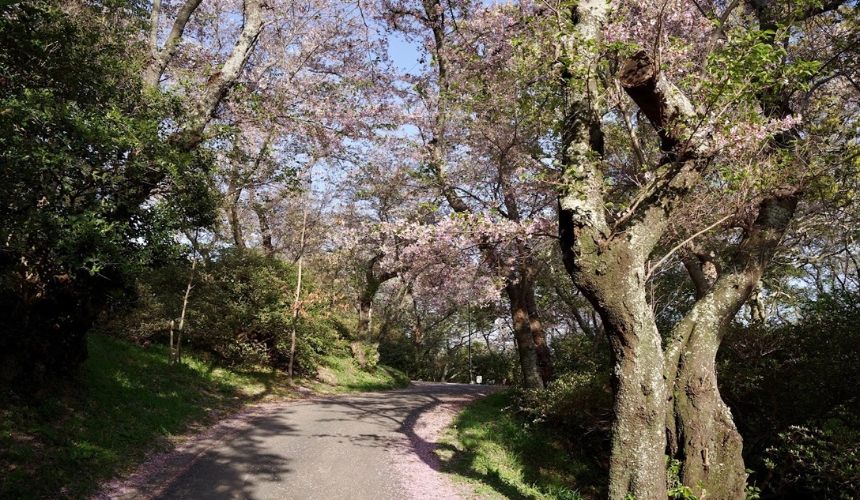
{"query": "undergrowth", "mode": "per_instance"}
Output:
(504, 456)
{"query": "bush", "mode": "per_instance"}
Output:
(821, 463)
(793, 391)
(578, 404)
(239, 309)
(399, 352)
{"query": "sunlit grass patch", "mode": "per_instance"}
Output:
(338, 375)
(501, 456)
(126, 400)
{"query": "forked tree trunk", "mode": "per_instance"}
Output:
(610, 273)
(607, 263)
(655, 392)
(702, 433)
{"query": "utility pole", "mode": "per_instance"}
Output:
(469, 327)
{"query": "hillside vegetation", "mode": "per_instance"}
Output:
(62, 441)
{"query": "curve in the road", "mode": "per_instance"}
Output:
(372, 446)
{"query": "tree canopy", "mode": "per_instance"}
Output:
(615, 200)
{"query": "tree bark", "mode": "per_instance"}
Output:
(613, 281)
(525, 339)
(702, 433)
(607, 264)
(190, 133)
(610, 273)
(160, 58)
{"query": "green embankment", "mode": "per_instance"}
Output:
(61, 443)
(502, 457)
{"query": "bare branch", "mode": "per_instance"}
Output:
(679, 245)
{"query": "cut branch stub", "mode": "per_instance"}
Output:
(666, 107)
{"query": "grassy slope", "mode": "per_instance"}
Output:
(342, 375)
(501, 457)
(125, 402)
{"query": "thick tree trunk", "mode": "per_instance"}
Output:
(525, 339)
(542, 352)
(606, 262)
(613, 280)
(702, 433)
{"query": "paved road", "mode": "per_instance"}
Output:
(328, 448)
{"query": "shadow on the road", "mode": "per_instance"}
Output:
(240, 469)
(236, 470)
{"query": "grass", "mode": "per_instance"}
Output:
(344, 375)
(502, 457)
(126, 401)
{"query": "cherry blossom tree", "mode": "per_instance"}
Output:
(218, 82)
(734, 96)
(480, 145)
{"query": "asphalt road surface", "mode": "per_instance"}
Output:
(353, 447)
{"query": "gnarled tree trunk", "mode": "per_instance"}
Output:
(608, 263)
(702, 432)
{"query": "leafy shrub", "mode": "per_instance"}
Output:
(581, 402)
(793, 390)
(398, 352)
(822, 462)
(240, 308)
